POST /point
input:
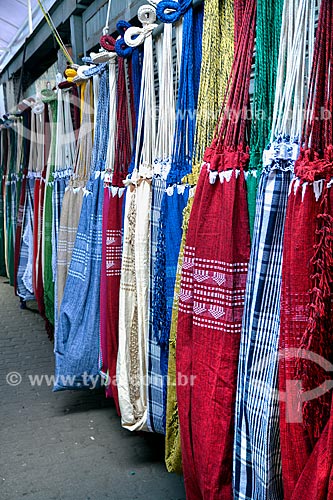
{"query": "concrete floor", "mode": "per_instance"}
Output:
(66, 445)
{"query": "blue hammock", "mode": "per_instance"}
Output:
(77, 349)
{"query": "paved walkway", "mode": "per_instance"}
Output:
(66, 445)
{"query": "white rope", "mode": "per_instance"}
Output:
(36, 158)
(106, 27)
(52, 141)
(297, 33)
(95, 94)
(59, 154)
(147, 108)
(65, 137)
(135, 36)
(166, 113)
(70, 141)
(32, 143)
(20, 131)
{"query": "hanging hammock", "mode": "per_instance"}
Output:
(217, 53)
(73, 197)
(50, 99)
(40, 171)
(257, 409)
(168, 74)
(3, 271)
(64, 164)
(78, 335)
(176, 195)
(25, 279)
(22, 197)
(306, 304)
(134, 283)
(122, 121)
(212, 291)
(10, 201)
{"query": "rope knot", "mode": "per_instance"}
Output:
(108, 43)
(70, 74)
(136, 36)
(120, 46)
(97, 70)
(169, 11)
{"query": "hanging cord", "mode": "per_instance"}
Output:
(146, 127)
(290, 93)
(84, 143)
(233, 122)
(65, 137)
(20, 144)
(188, 90)
(106, 27)
(166, 115)
(125, 122)
(317, 129)
(60, 135)
(217, 57)
(101, 134)
(32, 143)
(269, 18)
(70, 142)
(50, 98)
(55, 33)
(36, 162)
(134, 58)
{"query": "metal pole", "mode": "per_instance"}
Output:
(29, 16)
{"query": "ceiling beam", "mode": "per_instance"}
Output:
(8, 22)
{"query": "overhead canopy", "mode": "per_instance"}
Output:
(17, 20)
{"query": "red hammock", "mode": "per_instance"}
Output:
(307, 291)
(112, 234)
(212, 290)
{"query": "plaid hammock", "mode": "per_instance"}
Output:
(168, 245)
(162, 163)
(171, 210)
(155, 380)
(21, 200)
(24, 271)
(256, 449)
